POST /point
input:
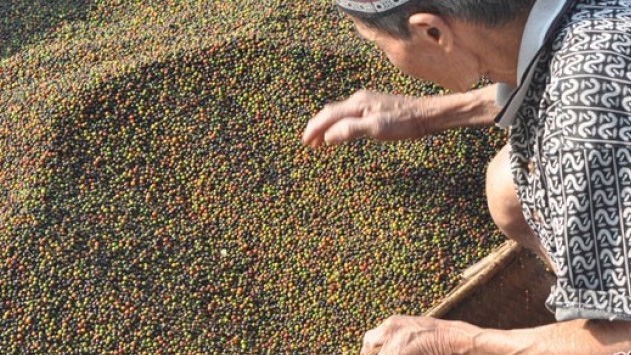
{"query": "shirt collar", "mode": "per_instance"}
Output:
(545, 15)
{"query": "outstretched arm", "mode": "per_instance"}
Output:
(387, 117)
(401, 335)
(579, 336)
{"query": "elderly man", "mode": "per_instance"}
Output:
(562, 186)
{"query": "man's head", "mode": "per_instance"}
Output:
(448, 42)
(391, 16)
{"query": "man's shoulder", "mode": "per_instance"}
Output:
(593, 44)
(591, 41)
(583, 78)
(592, 30)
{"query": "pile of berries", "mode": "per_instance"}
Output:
(157, 198)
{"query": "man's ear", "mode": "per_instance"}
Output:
(431, 28)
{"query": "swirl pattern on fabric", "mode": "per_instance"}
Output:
(571, 160)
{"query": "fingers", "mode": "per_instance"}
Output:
(375, 351)
(373, 341)
(314, 133)
(416, 335)
(332, 113)
(348, 129)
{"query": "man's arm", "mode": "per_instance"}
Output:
(387, 117)
(403, 335)
(572, 337)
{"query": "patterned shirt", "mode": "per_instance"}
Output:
(571, 159)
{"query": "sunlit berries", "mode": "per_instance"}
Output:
(159, 200)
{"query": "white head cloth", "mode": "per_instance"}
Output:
(370, 6)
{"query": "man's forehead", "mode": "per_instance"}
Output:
(370, 6)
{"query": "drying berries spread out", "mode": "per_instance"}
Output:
(156, 197)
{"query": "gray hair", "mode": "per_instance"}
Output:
(487, 13)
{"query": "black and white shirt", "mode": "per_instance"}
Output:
(570, 137)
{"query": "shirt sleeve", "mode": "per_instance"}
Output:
(589, 173)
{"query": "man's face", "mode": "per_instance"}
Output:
(422, 59)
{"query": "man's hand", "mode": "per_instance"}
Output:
(387, 117)
(403, 335)
(379, 116)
